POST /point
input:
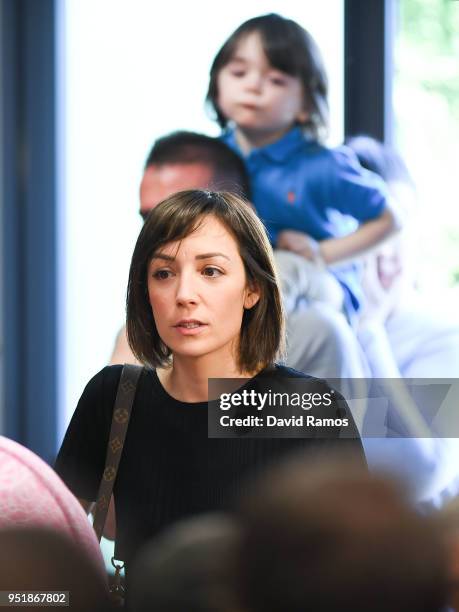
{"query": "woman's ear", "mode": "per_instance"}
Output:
(251, 297)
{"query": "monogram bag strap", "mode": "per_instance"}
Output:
(121, 414)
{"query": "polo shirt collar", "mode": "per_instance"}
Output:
(278, 151)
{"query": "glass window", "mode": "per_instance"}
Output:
(131, 72)
(426, 100)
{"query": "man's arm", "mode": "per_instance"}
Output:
(122, 352)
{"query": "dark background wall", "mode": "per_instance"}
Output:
(28, 223)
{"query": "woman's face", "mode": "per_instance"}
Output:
(198, 291)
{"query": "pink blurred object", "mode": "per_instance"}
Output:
(32, 495)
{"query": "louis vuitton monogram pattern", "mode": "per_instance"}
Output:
(115, 444)
(121, 415)
(102, 502)
(120, 421)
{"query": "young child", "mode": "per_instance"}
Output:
(268, 88)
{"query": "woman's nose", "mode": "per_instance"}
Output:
(186, 289)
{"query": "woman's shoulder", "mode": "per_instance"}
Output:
(100, 390)
(112, 373)
(98, 397)
(108, 376)
(283, 372)
(106, 381)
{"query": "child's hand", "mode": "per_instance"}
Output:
(299, 243)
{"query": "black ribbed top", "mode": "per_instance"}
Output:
(169, 469)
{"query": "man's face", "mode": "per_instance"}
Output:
(159, 182)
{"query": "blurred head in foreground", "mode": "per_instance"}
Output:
(186, 568)
(38, 559)
(331, 537)
(449, 516)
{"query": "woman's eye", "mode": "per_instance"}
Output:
(161, 274)
(237, 73)
(212, 272)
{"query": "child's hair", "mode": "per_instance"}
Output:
(290, 49)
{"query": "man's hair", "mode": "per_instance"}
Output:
(262, 330)
(330, 537)
(290, 49)
(228, 170)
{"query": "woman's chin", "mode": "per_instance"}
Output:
(201, 349)
(191, 349)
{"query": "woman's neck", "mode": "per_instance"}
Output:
(254, 139)
(187, 380)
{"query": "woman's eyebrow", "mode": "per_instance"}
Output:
(162, 256)
(201, 256)
(209, 255)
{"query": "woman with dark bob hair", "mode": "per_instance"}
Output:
(203, 302)
(261, 329)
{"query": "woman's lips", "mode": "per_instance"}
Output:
(184, 330)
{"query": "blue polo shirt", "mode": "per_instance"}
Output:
(301, 185)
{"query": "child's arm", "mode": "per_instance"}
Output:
(367, 236)
(345, 186)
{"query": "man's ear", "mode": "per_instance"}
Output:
(252, 296)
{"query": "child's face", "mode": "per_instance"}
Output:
(259, 98)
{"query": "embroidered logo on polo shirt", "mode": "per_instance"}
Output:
(291, 197)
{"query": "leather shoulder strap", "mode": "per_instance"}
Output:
(120, 421)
